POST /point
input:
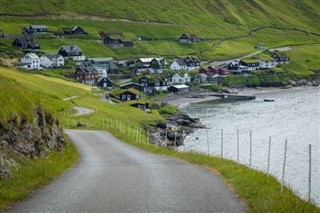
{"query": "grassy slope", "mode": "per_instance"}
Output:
(209, 19)
(261, 193)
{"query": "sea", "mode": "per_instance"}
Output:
(292, 116)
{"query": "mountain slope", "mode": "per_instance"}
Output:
(240, 13)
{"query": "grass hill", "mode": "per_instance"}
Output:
(251, 13)
(234, 27)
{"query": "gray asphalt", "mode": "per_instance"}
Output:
(112, 176)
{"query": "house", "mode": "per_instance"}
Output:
(25, 42)
(178, 89)
(184, 39)
(210, 70)
(249, 64)
(86, 75)
(188, 63)
(158, 63)
(100, 63)
(36, 29)
(178, 64)
(266, 61)
(280, 57)
(113, 69)
(72, 52)
(126, 95)
(177, 79)
(116, 43)
(122, 63)
(161, 84)
(192, 63)
(237, 69)
(77, 30)
(201, 78)
(104, 82)
(143, 62)
(51, 60)
(129, 85)
(30, 61)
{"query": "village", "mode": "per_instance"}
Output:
(130, 80)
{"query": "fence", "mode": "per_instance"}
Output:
(216, 146)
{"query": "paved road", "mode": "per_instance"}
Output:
(112, 176)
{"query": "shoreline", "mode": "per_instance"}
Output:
(247, 91)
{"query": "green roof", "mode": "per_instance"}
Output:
(119, 92)
(264, 57)
(250, 60)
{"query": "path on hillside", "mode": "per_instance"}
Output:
(113, 176)
(282, 49)
(82, 110)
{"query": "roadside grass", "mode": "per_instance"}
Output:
(35, 173)
(260, 192)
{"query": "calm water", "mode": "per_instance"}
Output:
(294, 116)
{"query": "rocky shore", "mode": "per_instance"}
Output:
(173, 131)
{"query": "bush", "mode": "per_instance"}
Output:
(169, 110)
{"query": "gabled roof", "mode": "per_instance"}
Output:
(32, 56)
(145, 60)
(180, 62)
(130, 83)
(38, 26)
(113, 67)
(249, 60)
(72, 48)
(176, 75)
(264, 57)
(184, 36)
(121, 91)
(51, 56)
(87, 70)
(181, 86)
(25, 40)
(107, 59)
(100, 79)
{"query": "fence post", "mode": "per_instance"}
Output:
(250, 147)
(309, 195)
(269, 151)
(238, 145)
(221, 143)
(148, 136)
(184, 142)
(140, 135)
(208, 142)
(284, 165)
(175, 139)
(129, 130)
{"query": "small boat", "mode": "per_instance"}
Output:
(268, 100)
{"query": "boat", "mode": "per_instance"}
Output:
(268, 100)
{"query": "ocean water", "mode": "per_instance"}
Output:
(293, 116)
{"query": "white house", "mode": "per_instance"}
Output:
(186, 78)
(51, 60)
(178, 65)
(30, 61)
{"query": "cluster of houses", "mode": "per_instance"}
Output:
(151, 76)
(258, 62)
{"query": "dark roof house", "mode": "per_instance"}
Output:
(77, 30)
(86, 75)
(25, 42)
(105, 82)
(36, 29)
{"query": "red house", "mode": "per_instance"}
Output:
(214, 71)
(86, 75)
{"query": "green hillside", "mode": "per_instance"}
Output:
(242, 13)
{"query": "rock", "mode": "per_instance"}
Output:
(293, 83)
(309, 84)
(302, 82)
(4, 146)
(4, 171)
(12, 163)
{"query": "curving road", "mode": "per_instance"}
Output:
(113, 176)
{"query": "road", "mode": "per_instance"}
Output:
(282, 49)
(113, 176)
(82, 110)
